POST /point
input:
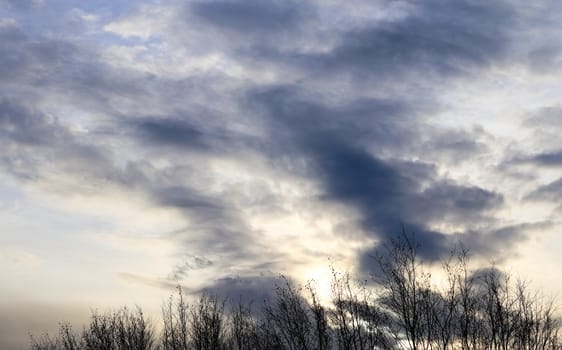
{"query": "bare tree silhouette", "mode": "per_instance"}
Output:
(400, 308)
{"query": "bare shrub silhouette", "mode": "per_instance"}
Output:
(358, 322)
(291, 318)
(405, 293)
(323, 334)
(175, 317)
(207, 324)
(400, 308)
(242, 329)
(123, 329)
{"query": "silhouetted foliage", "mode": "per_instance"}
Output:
(400, 308)
(119, 330)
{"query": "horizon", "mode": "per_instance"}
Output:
(219, 144)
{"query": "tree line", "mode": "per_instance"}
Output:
(400, 308)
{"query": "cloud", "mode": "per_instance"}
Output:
(244, 115)
(492, 245)
(216, 225)
(190, 133)
(436, 37)
(455, 145)
(387, 192)
(548, 158)
(544, 59)
(41, 147)
(549, 192)
(34, 138)
(24, 126)
(315, 41)
(353, 149)
(172, 132)
(147, 281)
(37, 69)
(539, 147)
(23, 4)
(250, 17)
(498, 243)
(545, 159)
(23, 59)
(182, 269)
(546, 117)
(246, 290)
(466, 202)
(251, 289)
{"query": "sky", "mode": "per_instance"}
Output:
(216, 144)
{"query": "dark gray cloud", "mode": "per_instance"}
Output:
(548, 158)
(387, 192)
(494, 244)
(21, 4)
(189, 263)
(33, 139)
(187, 132)
(216, 226)
(307, 122)
(464, 202)
(544, 59)
(497, 243)
(167, 131)
(545, 118)
(545, 159)
(247, 289)
(35, 68)
(25, 126)
(549, 192)
(187, 198)
(252, 17)
(23, 59)
(437, 38)
(540, 148)
(455, 145)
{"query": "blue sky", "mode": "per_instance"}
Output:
(218, 144)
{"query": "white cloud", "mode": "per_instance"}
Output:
(148, 22)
